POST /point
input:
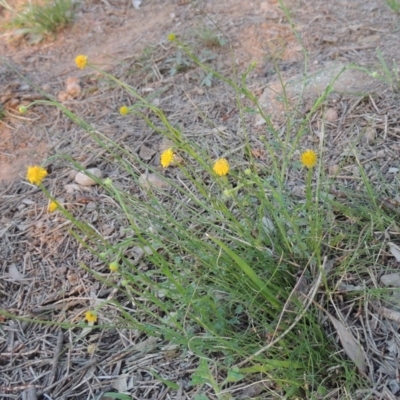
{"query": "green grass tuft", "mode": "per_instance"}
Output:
(40, 20)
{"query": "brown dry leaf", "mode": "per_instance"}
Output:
(165, 144)
(120, 384)
(146, 153)
(390, 314)
(146, 345)
(391, 279)
(258, 153)
(123, 383)
(350, 345)
(72, 86)
(152, 180)
(15, 275)
(84, 180)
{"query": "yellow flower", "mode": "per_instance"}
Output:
(90, 316)
(309, 158)
(36, 174)
(114, 266)
(81, 61)
(171, 37)
(166, 158)
(124, 110)
(52, 207)
(221, 167)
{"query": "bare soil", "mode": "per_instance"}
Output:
(38, 359)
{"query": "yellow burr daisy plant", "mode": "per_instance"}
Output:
(309, 158)
(91, 316)
(52, 207)
(36, 174)
(114, 266)
(171, 37)
(81, 61)
(166, 158)
(221, 167)
(124, 110)
(22, 109)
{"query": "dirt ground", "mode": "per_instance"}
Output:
(39, 263)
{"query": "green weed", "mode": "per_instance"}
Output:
(386, 73)
(210, 38)
(214, 254)
(37, 21)
(394, 5)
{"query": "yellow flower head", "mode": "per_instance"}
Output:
(36, 174)
(52, 207)
(114, 266)
(124, 110)
(90, 316)
(166, 158)
(171, 37)
(22, 109)
(81, 61)
(221, 167)
(309, 158)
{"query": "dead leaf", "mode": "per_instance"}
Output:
(152, 180)
(146, 345)
(350, 345)
(121, 383)
(72, 87)
(146, 153)
(395, 250)
(258, 153)
(391, 279)
(84, 180)
(136, 4)
(389, 314)
(330, 39)
(15, 275)
(165, 144)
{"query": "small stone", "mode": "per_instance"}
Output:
(381, 154)
(334, 169)
(331, 115)
(85, 180)
(199, 91)
(91, 206)
(369, 135)
(62, 96)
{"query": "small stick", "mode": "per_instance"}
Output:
(57, 353)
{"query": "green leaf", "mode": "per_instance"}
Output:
(200, 397)
(202, 374)
(207, 80)
(234, 375)
(120, 396)
(242, 264)
(166, 382)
